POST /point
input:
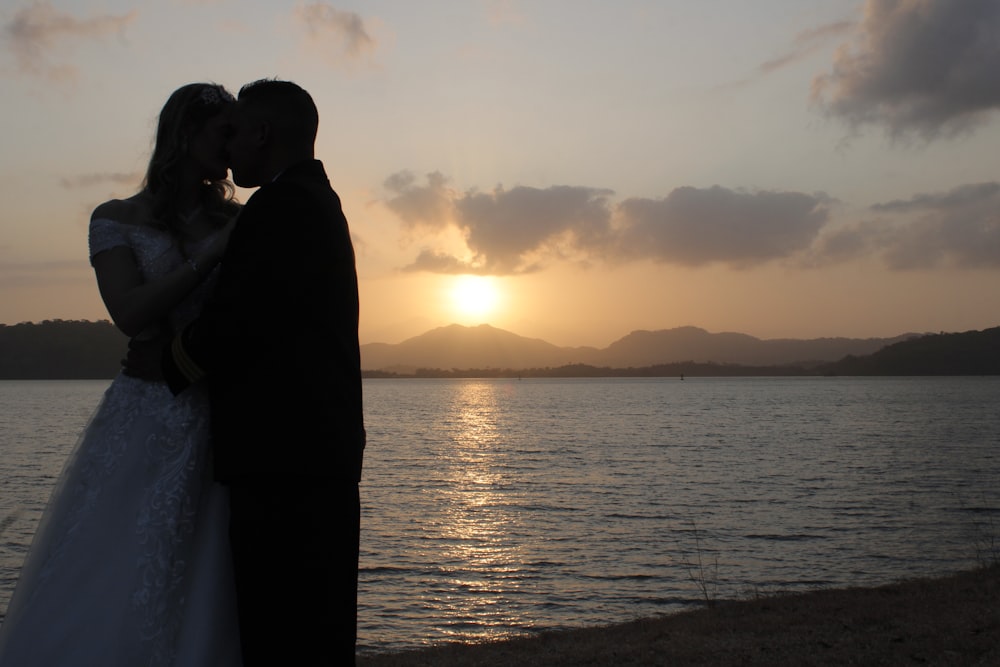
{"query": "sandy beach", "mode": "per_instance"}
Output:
(951, 620)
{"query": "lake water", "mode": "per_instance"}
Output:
(500, 507)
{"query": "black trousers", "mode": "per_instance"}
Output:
(295, 551)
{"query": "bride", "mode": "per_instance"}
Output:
(130, 564)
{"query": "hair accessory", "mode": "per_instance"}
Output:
(215, 95)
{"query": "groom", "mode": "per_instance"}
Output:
(278, 346)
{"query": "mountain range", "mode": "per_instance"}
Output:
(60, 349)
(484, 346)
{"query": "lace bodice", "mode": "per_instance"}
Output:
(156, 254)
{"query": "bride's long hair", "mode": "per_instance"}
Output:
(185, 113)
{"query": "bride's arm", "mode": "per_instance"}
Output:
(133, 304)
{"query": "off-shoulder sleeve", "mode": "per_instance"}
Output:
(106, 234)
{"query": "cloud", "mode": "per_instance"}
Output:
(38, 32)
(429, 205)
(509, 231)
(506, 228)
(806, 43)
(522, 229)
(927, 67)
(959, 197)
(88, 180)
(338, 36)
(847, 242)
(433, 261)
(959, 228)
(525, 229)
(693, 226)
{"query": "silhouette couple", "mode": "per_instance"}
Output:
(209, 514)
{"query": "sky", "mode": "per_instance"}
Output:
(570, 170)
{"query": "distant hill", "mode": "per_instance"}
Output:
(484, 346)
(968, 353)
(644, 348)
(456, 346)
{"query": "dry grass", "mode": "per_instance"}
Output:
(953, 620)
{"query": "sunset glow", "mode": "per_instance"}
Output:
(474, 298)
(781, 169)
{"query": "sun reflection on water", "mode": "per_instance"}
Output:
(480, 517)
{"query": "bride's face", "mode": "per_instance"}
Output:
(207, 148)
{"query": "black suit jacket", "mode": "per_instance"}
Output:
(278, 342)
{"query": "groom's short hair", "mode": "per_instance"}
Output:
(285, 105)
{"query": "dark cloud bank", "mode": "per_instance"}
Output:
(519, 230)
(515, 230)
(917, 67)
(956, 228)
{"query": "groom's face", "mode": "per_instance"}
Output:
(245, 146)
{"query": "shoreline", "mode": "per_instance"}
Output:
(949, 620)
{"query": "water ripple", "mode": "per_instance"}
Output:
(493, 508)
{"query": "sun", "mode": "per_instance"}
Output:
(474, 297)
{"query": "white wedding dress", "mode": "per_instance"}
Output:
(130, 565)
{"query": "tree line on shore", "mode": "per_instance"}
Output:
(77, 349)
(61, 350)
